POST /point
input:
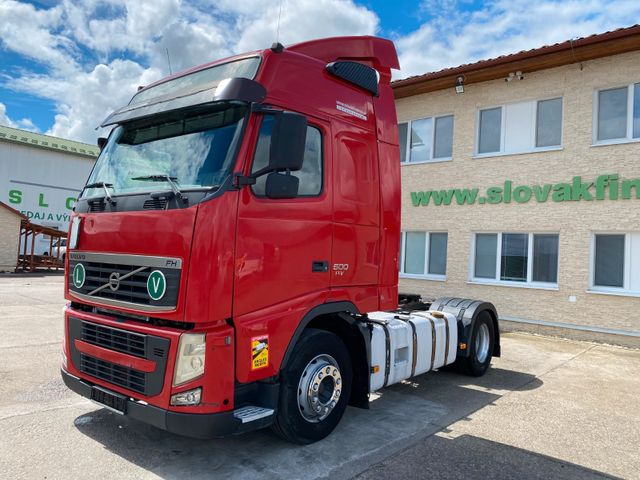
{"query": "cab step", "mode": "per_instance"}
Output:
(251, 413)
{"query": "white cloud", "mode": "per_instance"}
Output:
(32, 33)
(454, 37)
(4, 119)
(302, 20)
(75, 35)
(119, 25)
(24, 124)
(86, 98)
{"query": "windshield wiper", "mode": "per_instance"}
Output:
(105, 186)
(163, 178)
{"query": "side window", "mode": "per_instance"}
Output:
(311, 173)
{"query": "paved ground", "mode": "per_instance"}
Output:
(548, 409)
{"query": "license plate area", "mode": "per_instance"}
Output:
(110, 400)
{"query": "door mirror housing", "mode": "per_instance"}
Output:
(286, 154)
(102, 141)
(281, 185)
(288, 139)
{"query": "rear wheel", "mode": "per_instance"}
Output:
(480, 347)
(315, 388)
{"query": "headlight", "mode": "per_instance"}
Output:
(190, 397)
(190, 360)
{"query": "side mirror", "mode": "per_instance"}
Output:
(102, 141)
(281, 185)
(288, 139)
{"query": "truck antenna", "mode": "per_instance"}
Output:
(168, 60)
(278, 24)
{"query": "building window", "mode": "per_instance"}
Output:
(423, 254)
(490, 130)
(520, 127)
(618, 114)
(615, 265)
(516, 258)
(426, 140)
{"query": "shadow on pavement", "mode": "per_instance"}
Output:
(400, 416)
(35, 274)
(467, 457)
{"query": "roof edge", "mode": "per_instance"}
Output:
(13, 210)
(48, 142)
(570, 51)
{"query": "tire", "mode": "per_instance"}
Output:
(63, 255)
(316, 353)
(480, 347)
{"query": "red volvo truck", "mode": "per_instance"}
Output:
(233, 259)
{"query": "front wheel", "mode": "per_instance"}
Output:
(315, 388)
(480, 347)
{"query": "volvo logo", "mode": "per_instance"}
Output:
(114, 281)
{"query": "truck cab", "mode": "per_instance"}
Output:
(242, 220)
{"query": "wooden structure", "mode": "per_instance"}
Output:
(27, 259)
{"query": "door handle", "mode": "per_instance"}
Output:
(319, 266)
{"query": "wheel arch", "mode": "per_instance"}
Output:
(466, 312)
(339, 319)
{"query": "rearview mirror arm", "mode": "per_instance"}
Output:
(240, 180)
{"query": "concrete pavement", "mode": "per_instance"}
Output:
(548, 408)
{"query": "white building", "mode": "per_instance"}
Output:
(41, 176)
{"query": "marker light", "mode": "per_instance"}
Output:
(190, 360)
(75, 233)
(64, 341)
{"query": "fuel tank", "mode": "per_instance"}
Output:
(405, 345)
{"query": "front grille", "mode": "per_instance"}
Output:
(112, 373)
(114, 339)
(122, 280)
(149, 347)
(132, 289)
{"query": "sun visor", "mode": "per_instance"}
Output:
(238, 89)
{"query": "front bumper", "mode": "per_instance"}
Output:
(203, 426)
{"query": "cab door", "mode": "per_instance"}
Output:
(356, 214)
(283, 246)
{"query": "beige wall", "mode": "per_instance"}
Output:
(574, 221)
(9, 239)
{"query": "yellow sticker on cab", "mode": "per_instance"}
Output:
(259, 352)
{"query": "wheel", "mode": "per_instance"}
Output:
(63, 255)
(480, 347)
(314, 388)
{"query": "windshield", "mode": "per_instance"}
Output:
(195, 151)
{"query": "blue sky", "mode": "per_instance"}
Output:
(67, 64)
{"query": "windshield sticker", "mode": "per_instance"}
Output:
(259, 352)
(350, 110)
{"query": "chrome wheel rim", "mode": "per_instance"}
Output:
(482, 343)
(319, 388)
